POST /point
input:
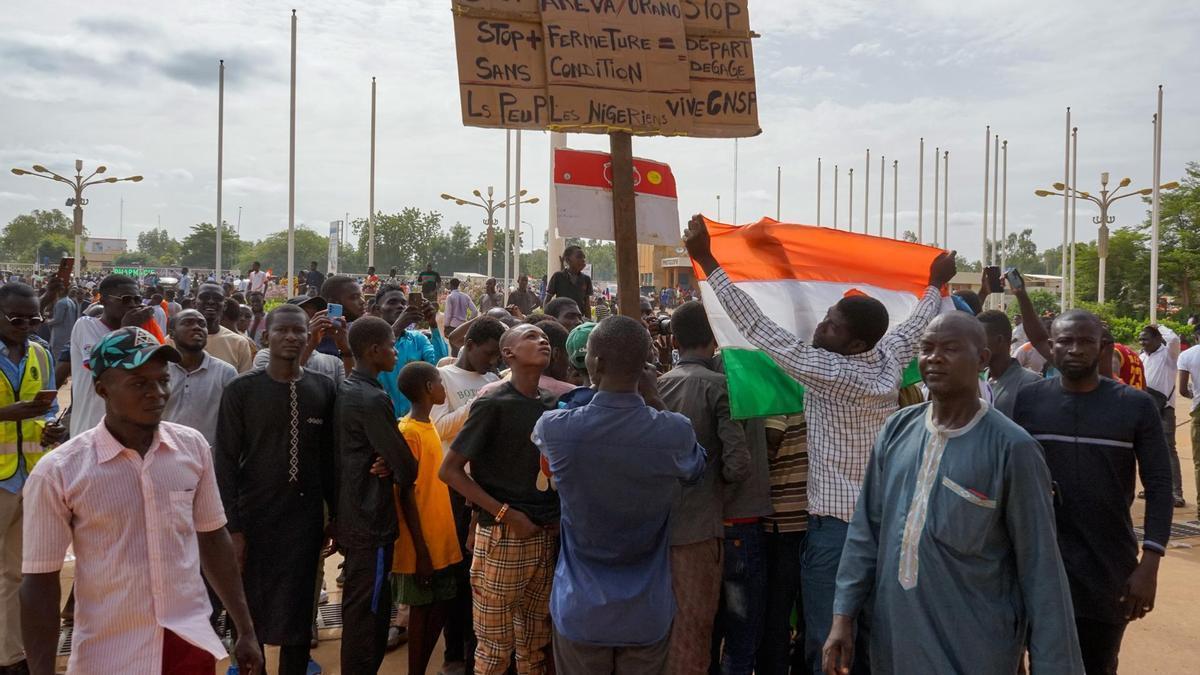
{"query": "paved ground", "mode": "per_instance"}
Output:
(1164, 642)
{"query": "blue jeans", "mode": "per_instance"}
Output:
(818, 580)
(775, 656)
(743, 590)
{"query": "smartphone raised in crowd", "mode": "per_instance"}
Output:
(992, 273)
(1014, 279)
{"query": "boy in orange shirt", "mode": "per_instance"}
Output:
(424, 559)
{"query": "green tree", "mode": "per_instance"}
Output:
(135, 259)
(272, 252)
(198, 249)
(54, 246)
(534, 264)
(21, 238)
(1179, 238)
(1043, 302)
(453, 252)
(160, 248)
(403, 240)
(1021, 252)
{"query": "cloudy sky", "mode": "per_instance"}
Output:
(133, 84)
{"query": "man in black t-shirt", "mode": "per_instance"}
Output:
(314, 279)
(516, 541)
(571, 282)
(430, 282)
(1097, 433)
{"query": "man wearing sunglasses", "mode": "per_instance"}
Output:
(122, 306)
(26, 429)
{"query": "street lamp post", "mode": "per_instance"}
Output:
(1104, 201)
(491, 206)
(532, 234)
(78, 184)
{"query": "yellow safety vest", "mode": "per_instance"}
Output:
(24, 437)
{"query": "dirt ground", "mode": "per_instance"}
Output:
(1163, 642)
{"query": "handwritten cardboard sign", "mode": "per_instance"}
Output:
(650, 67)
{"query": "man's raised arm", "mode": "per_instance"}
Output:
(901, 341)
(808, 365)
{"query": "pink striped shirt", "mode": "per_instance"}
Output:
(133, 523)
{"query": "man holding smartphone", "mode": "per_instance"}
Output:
(411, 344)
(27, 428)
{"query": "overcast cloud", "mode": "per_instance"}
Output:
(133, 84)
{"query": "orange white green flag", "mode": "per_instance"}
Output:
(795, 273)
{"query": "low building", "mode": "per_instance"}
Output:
(664, 266)
(102, 251)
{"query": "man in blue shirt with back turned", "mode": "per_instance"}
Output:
(618, 463)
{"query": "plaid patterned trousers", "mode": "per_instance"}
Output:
(510, 586)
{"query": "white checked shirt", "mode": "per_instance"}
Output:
(846, 398)
(133, 523)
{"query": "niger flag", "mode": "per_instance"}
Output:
(796, 273)
(583, 195)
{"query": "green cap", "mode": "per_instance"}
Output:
(127, 348)
(577, 344)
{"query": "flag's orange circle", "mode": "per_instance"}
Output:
(654, 177)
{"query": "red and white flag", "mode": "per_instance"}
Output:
(583, 190)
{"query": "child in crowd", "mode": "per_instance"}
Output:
(367, 526)
(425, 554)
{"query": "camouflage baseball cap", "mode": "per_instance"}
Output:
(128, 348)
(577, 344)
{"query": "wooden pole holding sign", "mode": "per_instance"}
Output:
(625, 223)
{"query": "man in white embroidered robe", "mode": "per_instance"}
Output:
(952, 552)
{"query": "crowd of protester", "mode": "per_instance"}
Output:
(548, 486)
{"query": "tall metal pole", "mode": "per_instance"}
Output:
(291, 266)
(867, 196)
(995, 199)
(895, 198)
(507, 213)
(1102, 249)
(78, 214)
(1155, 207)
(921, 193)
(1074, 201)
(987, 164)
(1004, 215)
(946, 200)
(371, 206)
(220, 157)
(778, 190)
(936, 174)
(835, 196)
(882, 172)
(516, 252)
(850, 204)
(818, 191)
(1066, 210)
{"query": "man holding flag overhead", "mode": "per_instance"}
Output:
(851, 371)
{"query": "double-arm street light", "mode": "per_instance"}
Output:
(77, 184)
(491, 206)
(1105, 200)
